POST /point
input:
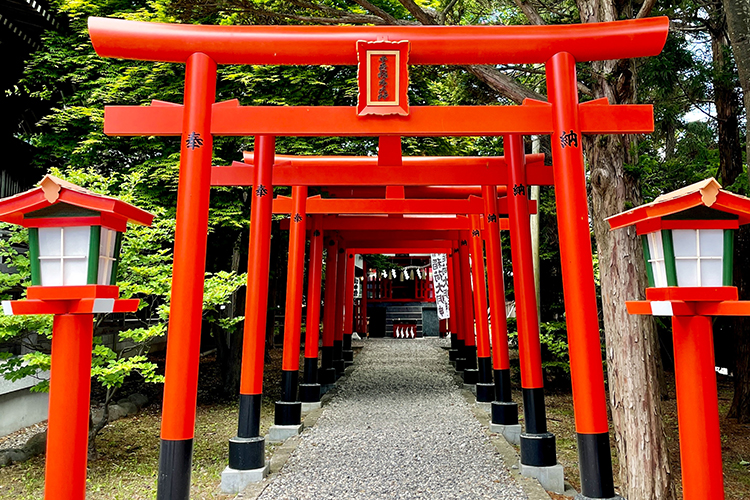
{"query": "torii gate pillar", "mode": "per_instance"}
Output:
(587, 376)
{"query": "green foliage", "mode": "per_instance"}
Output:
(553, 337)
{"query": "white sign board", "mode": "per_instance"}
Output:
(357, 288)
(440, 283)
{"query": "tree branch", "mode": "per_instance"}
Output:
(444, 14)
(645, 9)
(389, 19)
(419, 14)
(530, 12)
(505, 85)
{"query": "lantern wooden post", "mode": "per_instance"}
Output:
(70, 389)
(247, 460)
(504, 410)
(582, 321)
(309, 390)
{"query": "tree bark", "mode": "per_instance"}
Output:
(740, 408)
(229, 344)
(726, 100)
(631, 341)
(738, 22)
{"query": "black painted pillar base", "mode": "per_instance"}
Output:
(327, 373)
(327, 376)
(247, 453)
(454, 341)
(311, 371)
(485, 392)
(287, 413)
(504, 413)
(347, 352)
(534, 412)
(538, 450)
(471, 376)
(452, 354)
(175, 459)
(470, 353)
(502, 386)
(485, 370)
(339, 365)
(289, 383)
(460, 363)
(338, 357)
(595, 462)
(309, 393)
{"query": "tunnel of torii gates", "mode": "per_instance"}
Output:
(383, 55)
(361, 230)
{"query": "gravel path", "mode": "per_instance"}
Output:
(397, 428)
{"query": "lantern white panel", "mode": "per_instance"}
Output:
(50, 241)
(51, 270)
(105, 272)
(656, 251)
(107, 243)
(711, 272)
(687, 272)
(76, 241)
(711, 242)
(75, 271)
(660, 273)
(684, 241)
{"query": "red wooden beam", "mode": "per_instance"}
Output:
(365, 171)
(317, 205)
(228, 118)
(369, 246)
(388, 236)
(337, 45)
(423, 192)
(384, 223)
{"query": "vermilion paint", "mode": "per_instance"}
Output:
(697, 408)
(295, 279)
(70, 388)
(467, 298)
(337, 45)
(581, 318)
(315, 271)
(527, 319)
(476, 248)
(186, 315)
(254, 341)
(496, 285)
(349, 295)
(329, 313)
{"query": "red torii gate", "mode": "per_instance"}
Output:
(199, 118)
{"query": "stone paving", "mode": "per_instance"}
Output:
(397, 427)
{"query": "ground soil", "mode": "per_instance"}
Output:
(129, 448)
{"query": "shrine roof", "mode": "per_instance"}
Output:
(706, 193)
(52, 190)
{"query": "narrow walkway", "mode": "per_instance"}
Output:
(397, 428)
